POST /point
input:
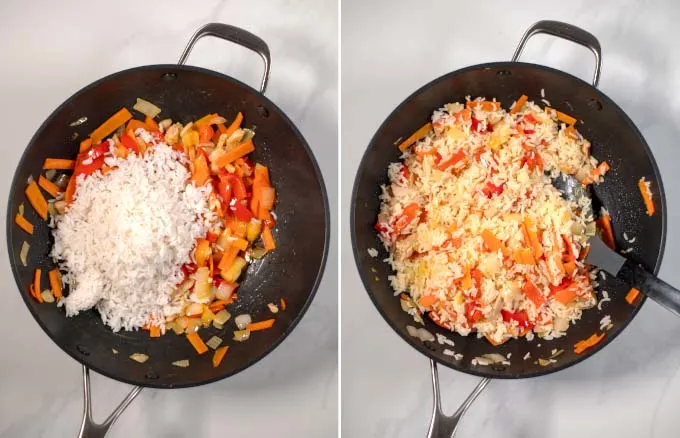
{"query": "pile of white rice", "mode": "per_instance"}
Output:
(124, 238)
(435, 251)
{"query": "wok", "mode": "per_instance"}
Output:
(614, 138)
(293, 271)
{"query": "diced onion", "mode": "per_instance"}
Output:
(62, 181)
(273, 308)
(241, 335)
(114, 351)
(47, 296)
(164, 124)
(21, 209)
(202, 287)
(257, 253)
(23, 256)
(420, 333)
(225, 290)
(243, 320)
(221, 318)
(193, 324)
(494, 357)
(50, 174)
(181, 363)
(147, 108)
(248, 135)
(60, 206)
(194, 309)
(139, 357)
(214, 342)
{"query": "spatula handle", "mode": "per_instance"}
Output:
(650, 285)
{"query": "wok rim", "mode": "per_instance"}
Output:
(319, 177)
(420, 346)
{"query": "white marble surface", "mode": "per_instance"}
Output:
(629, 390)
(50, 50)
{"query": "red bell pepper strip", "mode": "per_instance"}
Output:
(129, 143)
(240, 210)
(452, 161)
(409, 214)
(491, 189)
(521, 317)
(238, 187)
(472, 312)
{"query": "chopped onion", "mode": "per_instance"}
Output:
(51, 210)
(591, 229)
(139, 357)
(257, 253)
(78, 122)
(188, 284)
(50, 174)
(221, 318)
(21, 209)
(47, 296)
(225, 290)
(420, 333)
(181, 363)
(248, 135)
(494, 357)
(177, 328)
(147, 108)
(241, 335)
(164, 124)
(482, 361)
(214, 342)
(30, 179)
(60, 206)
(114, 351)
(186, 129)
(194, 309)
(62, 181)
(23, 256)
(273, 308)
(242, 321)
(412, 331)
(193, 324)
(202, 287)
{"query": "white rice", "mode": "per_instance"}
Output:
(372, 252)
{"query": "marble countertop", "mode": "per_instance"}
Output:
(629, 390)
(52, 49)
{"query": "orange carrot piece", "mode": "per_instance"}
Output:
(134, 125)
(239, 151)
(205, 133)
(632, 295)
(582, 346)
(570, 268)
(23, 223)
(70, 190)
(36, 199)
(532, 292)
(535, 242)
(268, 238)
(234, 125)
(36, 285)
(55, 282)
(283, 304)
(605, 224)
(85, 145)
(241, 244)
(524, 256)
(646, 196)
(519, 104)
(219, 356)
(419, 134)
(599, 171)
(151, 124)
(565, 296)
(197, 343)
(201, 172)
(155, 331)
(48, 186)
(562, 117)
(427, 300)
(114, 122)
(484, 105)
(228, 258)
(260, 325)
(492, 242)
(466, 282)
(58, 164)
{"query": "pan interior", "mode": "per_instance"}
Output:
(293, 271)
(614, 138)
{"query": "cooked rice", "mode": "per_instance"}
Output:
(491, 188)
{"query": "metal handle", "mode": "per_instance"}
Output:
(568, 32)
(90, 429)
(235, 35)
(441, 425)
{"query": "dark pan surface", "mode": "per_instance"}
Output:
(293, 271)
(614, 138)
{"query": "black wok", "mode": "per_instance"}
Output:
(614, 138)
(293, 271)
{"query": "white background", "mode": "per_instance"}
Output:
(48, 51)
(389, 49)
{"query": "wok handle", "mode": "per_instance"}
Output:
(568, 32)
(441, 425)
(650, 285)
(235, 35)
(90, 429)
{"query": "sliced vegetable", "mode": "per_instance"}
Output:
(519, 104)
(234, 125)
(597, 173)
(154, 331)
(202, 252)
(427, 300)
(565, 295)
(260, 325)
(493, 243)
(452, 161)
(139, 357)
(197, 343)
(241, 335)
(48, 186)
(58, 164)
(409, 213)
(646, 193)
(605, 225)
(23, 254)
(419, 134)
(222, 317)
(23, 223)
(85, 145)
(268, 238)
(533, 293)
(484, 105)
(524, 256)
(239, 151)
(55, 283)
(147, 108)
(70, 190)
(151, 124)
(219, 356)
(632, 295)
(214, 342)
(109, 126)
(582, 346)
(36, 284)
(242, 321)
(184, 363)
(562, 117)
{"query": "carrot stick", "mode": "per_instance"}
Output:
(484, 105)
(113, 123)
(85, 145)
(582, 346)
(519, 104)
(239, 151)
(530, 229)
(562, 117)
(36, 199)
(492, 242)
(197, 343)
(58, 164)
(261, 325)
(150, 124)
(219, 356)
(420, 133)
(599, 171)
(36, 285)
(427, 300)
(523, 256)
(268, 238)
(134, 125)
(234, 125)
(70, 190)
(23, 223)
(605, 224)
(155, 331)
(646, 196)
(48, 186)
(55, 282)
(228, 258)
(201, 172)
(532, 292)
(569, 268)
(632, 295)
(283, 304)
(565, 296)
